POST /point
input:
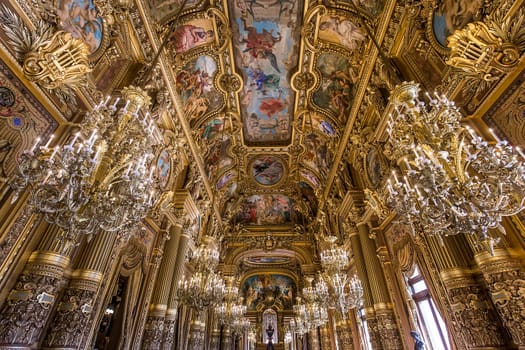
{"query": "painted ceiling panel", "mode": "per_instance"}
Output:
(265, 54)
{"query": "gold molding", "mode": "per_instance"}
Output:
(49, 258)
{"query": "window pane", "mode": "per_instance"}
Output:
(419, 286)
(431, 325)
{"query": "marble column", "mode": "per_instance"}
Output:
(196, 336)
(30, 303)
(70, 322)
(154, 328)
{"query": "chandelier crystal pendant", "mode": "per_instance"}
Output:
(103, 178)
(451, 181)
(341, 291)
(205, 287)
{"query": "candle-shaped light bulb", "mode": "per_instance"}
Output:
(49, 141)
(494, 135)
(37, 141)
(115, 103)
(77, 134)
(54, 152)
(395, 177)
(520, 152)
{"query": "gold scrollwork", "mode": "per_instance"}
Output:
(62, 60)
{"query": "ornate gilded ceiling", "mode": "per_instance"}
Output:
(266, 87)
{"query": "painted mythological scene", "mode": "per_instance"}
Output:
(267, 209)
(267, 52)
(192, 34)
(267, 170)
(317, 155)
(195, 86)
(269, 290)
(80, 18)
(341, 31)
(337, 85)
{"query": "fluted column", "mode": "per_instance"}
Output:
(158, 253)
(365, 282)
(31, 301)
(171, 312)
(154, 328)
(386, 322)
(475, 323)
(70, 322)
(505, 277)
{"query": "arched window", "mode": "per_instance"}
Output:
(270, 318)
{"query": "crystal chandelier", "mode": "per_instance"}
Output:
(205, 287)
(451, 181)
(103, 178)
(232, 309)
(310, 311)
(347, 293)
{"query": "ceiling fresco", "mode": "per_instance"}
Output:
(265, 53)
(266, 87)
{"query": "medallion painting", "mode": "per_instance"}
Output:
(267, 170)
(80, 18)
(337, 85)
(163, 168)
(267, 209)
(266, 54)
(195, 86)
(269, 291)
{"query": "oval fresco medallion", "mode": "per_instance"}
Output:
(267, 170)
(163, 168)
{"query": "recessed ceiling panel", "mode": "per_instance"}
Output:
(266, 52)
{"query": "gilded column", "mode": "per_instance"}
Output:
(226, 340)
(30, 303)
(70, 322)
(155, 262)
(386, 322)
(154, 328)
(313, 339)
(326, 343)
(171, 312)
(365, 282)
(474, 320)
(505, 277)
(344, 335)
(196, 337)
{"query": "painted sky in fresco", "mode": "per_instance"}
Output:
(269, 290)
(266, 53)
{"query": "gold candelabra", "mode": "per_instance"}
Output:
(103, 178)
(450, 180)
